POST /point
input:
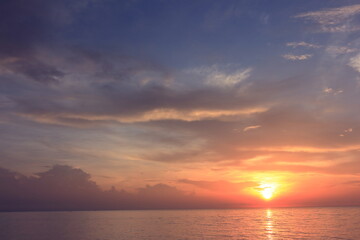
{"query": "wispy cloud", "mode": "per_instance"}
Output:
(70, 119)
(332, 91)
(332, 49)
(334, 19)
(302, 44)
(251, 128)
(221, 77)
(346, 132)
(336, 50)
(32, 68)
(297, 57)
(297, 149)
(355, 62)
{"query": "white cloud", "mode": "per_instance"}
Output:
(334, 19)
(251, 128)
(302, 44)
(297, 57)
(346, 132)
(215, 76)
(332, 15)
(355, 62)
(332, 91)
(336, 50)
(340, 28)
(328, 90)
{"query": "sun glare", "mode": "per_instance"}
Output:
(267, 190)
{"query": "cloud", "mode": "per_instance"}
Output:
(33, 69)
(95, 88)
(152, 115)
(306, 149)
(251, 128)
(334, 19)
(61, 187)
(22, 40)
(355, 62)
(121, 113)
(66, 188)
(336, 50)
(215, 76)
(332, 91)
(302, 44)
(289, 130)
(107, 92)
(206, 115)
(346, 132)
(297, 57)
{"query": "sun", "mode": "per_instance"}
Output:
(267, 190)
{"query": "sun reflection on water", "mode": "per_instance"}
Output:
(269, 228)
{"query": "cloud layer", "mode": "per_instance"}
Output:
(141, 96)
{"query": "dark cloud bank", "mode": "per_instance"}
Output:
(66, 188)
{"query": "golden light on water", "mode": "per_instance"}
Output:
(269, 224)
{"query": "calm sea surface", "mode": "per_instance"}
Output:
(280, 223)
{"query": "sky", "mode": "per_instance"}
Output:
(179, 104)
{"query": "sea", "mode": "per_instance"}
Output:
(257, 224)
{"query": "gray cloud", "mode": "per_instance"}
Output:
(25, 28)
(66, 188)
(33, 69)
